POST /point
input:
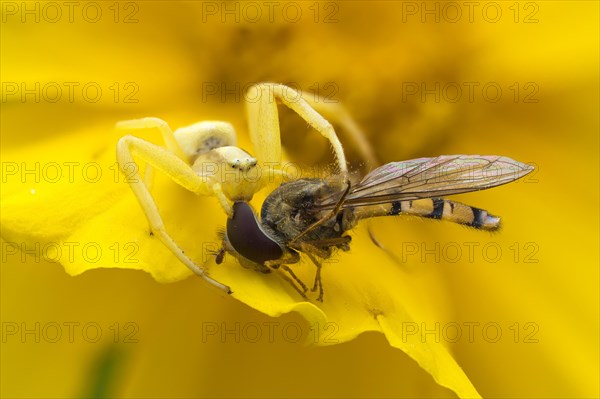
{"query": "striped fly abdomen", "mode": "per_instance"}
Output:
(433, 208)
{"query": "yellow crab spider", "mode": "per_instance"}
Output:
(203, 157)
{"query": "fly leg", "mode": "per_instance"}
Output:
(317, 249)
(293, 279)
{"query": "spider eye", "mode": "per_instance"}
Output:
(247, 237)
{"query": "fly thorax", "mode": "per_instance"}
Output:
(290, 209)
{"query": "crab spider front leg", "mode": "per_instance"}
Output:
(167, 134)
(187, 142)
(337, 113)
(155, 123)
(210, 148)
(263, 122)
(177, 170)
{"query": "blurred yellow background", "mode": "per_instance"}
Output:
(422, 79)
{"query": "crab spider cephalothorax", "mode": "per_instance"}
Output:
(189, 150)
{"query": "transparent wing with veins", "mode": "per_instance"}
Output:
(430, 178)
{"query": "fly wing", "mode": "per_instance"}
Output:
(431, 178)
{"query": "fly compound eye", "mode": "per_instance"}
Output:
(247, 237)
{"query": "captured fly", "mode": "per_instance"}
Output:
(313, 216)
